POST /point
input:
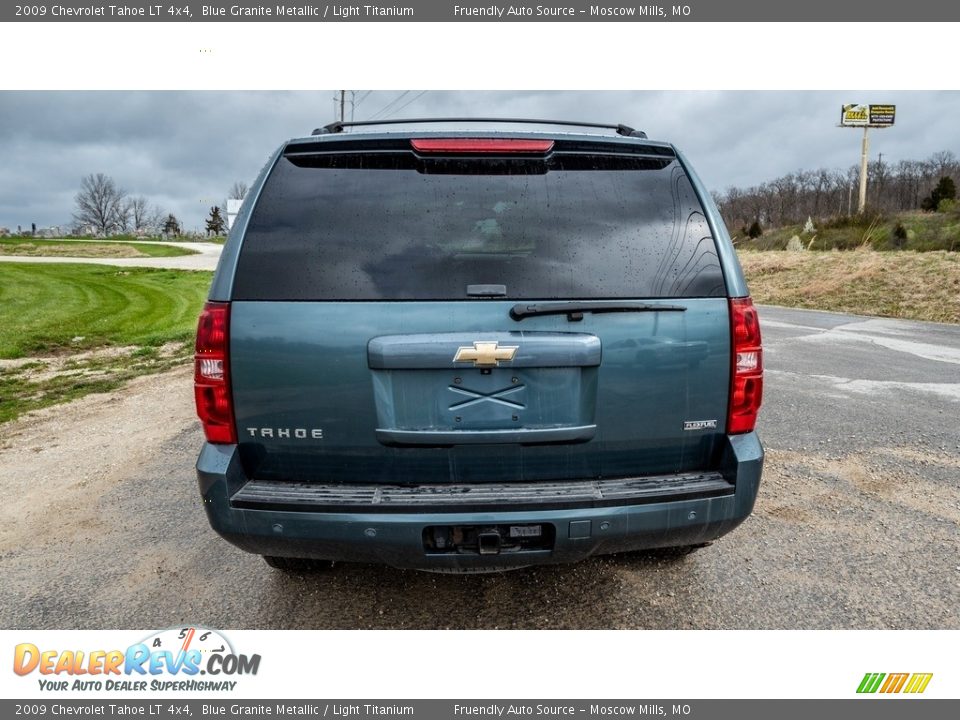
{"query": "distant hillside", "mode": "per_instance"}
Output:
(891, 188)
(913, 230)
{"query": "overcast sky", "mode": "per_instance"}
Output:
(183, 150)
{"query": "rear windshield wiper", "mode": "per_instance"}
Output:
(575, 310)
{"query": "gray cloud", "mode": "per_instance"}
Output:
(183, 150)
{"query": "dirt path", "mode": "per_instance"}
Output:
(206, 258)
(59, 461)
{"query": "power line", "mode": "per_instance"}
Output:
(388, 105)
(408, 102)
(363, 97)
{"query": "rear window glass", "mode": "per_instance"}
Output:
(392, 227)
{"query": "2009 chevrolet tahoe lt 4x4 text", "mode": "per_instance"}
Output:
(468, 350)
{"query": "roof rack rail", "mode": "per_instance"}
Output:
(336, 127)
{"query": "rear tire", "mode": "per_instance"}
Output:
(297, 565)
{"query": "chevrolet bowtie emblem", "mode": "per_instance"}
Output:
(485, 354)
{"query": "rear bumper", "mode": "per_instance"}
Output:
(397, 537)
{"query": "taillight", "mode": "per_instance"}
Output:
(481, 145)
(746, 372)
(211, 375)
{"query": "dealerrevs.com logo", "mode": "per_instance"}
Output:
(171, 659)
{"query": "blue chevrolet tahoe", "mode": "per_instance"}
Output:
(474, 345)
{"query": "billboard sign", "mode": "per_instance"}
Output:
(882, 115)
(867, 115)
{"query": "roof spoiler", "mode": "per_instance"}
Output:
(337, 127)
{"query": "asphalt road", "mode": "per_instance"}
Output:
(857, 524)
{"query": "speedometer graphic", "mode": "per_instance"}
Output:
(183, 639)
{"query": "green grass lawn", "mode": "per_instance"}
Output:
(88, 328)
(87, 248)
(43, 308)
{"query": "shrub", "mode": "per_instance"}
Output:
(899, 236)
(946, 189)
(755, 230)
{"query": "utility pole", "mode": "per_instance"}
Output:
(881, 175)
(866, 116)
(862, 203)
(343, 99)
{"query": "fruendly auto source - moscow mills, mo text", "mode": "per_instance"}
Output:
(186, 11)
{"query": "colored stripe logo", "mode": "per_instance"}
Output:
(913, 683)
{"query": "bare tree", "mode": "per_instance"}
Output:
(155, 219)
(139, 211)
(943, 162)
(124, 216)
(238, 191)
(101, 204)
(821, 194)
(144, 217)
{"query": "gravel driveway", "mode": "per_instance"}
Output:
(206, 258)
(856, 525)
